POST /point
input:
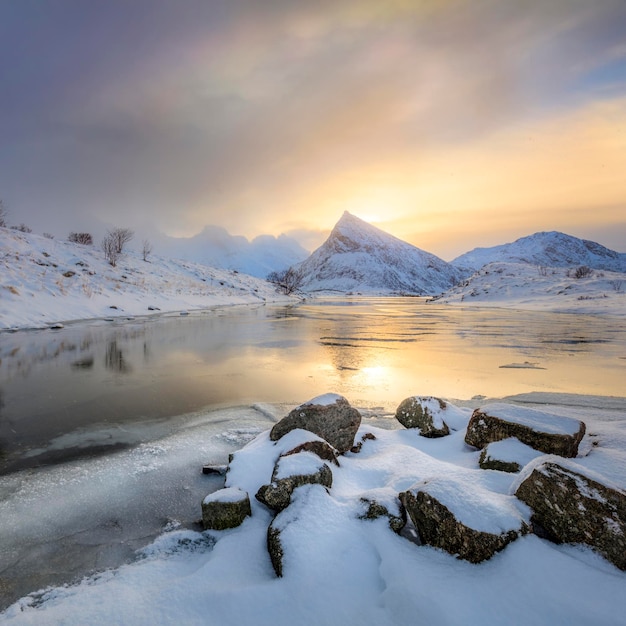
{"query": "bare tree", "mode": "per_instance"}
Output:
(83, 238)
(109, 247)
(146, 249)
(287, 281)
(582, 271)
(121, 236)
(3, 215)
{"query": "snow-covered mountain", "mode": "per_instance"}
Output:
(540, 288)
(215, 247)
(358, 257)
(548, 249)
(43, 281)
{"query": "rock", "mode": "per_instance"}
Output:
(226, 508)
(507, 455)
(321, 448)
(330, 417)
(473, 525)
(291, 472)
(569, 507)
(375, 509)
(548, 433)
(219, 470)
(424, 413)
(356, 448)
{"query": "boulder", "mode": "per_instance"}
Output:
(570, 507)
(330, 417)
(507, 455)
(425, 413)
(548, 433)
(226, 508)
(462, 519)
(291, 472)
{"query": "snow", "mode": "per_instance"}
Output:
(301, 464)
(528, 287)
(45, 282)
(547, 249)
(511, 450)
(326, 399)
(337, 568)
(228, 494)
(532, 418)
(358, 257)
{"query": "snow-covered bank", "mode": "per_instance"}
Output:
(45, 281)
(539, 288)
(351, 570)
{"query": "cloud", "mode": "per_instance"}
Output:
(276, 116)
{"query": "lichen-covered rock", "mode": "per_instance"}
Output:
(425, 413)
(473, 526)
(330, 417)
(507, 455)
(321, 448)
(548, 433)
(375, 509)
(291, 472)
(226, 508)
(570, 507)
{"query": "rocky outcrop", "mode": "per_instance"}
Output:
(330, 417)
(291, 472)
(226, 508)
(548, 433)
(424, 413)
(508, 455)
(569, 507)
(489, 521)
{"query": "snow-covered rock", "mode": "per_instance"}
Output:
(472, 524)
(573, 508)
(551, 434)
(547, 249)
(425, 413)
(507, 455)
(358, 257)
(226, 508)
(330, 417)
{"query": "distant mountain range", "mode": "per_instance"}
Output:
(215, 247)
(358, 257)
(549, 249)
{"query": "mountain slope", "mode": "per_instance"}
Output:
(549, 249)
(214, 246)
(528, 287)
(43, 281)
(358, 257)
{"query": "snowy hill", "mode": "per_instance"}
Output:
(214, 246)
(524, 286)
(549, 249)
(43, 281)
(358, 257)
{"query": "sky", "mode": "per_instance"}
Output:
(448, 123)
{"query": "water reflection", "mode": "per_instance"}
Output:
(374, 352)
(114, 359)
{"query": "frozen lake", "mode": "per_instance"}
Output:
(104, 425)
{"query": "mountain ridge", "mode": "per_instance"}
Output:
(546, 248)
(358, 257)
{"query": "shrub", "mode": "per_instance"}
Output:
(83, 238)
(582, 271)
(22, 228)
